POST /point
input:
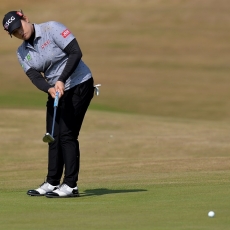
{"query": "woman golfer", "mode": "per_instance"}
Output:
(51, 58)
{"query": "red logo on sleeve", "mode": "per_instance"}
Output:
(65, 33)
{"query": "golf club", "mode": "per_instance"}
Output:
(48, 138)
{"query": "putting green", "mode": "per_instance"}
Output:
(137, 172)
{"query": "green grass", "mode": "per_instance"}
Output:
(166, 206)
(137, 172)
(19, 99)
(155, 143)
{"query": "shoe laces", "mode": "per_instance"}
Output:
(43, 183)
(62, 185)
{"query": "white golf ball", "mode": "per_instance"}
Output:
(211, 214)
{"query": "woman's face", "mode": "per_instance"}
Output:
(24, 32)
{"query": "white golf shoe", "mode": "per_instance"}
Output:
(42, 190)
(63, 191)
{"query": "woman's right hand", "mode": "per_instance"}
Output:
(52, 92)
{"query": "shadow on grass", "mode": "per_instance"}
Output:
(105, 191)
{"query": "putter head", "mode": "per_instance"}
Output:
(48, 138)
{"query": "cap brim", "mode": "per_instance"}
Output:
(15, 26)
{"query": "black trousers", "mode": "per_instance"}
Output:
(64, 153)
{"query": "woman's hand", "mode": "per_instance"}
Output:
(52, 92)
(60, 87)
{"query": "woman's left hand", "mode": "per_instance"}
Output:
(60, 87)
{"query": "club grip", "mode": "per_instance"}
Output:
(56, 99)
